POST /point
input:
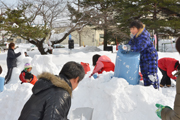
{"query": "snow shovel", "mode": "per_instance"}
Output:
(83, 113)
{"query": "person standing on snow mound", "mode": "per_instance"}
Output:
(167, 66)
(102, 63)
(141, 42)
(166, 112)
(51, 98)
(11, 61)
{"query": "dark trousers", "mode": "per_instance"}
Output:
(8, 76)
(166, 80)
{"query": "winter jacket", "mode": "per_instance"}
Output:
(148, 55)
(51, 99)
(11, 58)
(22, 76)
(103, 64)
(167, 113)
(168, 64)
(34, 80)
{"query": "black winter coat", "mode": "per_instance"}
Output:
(51, 99)
(11, 58)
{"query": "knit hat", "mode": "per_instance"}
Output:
(27, 65)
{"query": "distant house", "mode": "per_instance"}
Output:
(88, 36)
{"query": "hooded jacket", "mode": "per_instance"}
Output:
(168, 64)
(51, 99)
(11, 58)
(167, 113)
(148, 55)
(103, 64)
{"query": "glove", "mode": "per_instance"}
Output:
(125, 49)
(160, 107)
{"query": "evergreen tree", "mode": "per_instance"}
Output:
(102, 12)
(162, 16)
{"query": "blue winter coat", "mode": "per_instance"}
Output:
(11, 58)
(148, 55)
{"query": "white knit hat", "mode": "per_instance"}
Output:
(27, 65)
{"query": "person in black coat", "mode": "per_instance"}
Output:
(11, 61)
(51, 98)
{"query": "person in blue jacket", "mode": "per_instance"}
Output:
(141, 42)
(11, 61)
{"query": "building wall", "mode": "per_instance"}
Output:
(89, 36)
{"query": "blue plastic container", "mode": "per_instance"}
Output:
(127, 66)
(1, 84)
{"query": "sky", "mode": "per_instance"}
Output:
(11, 2)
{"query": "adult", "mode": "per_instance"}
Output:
(167, 66)
(148, 55)
(51, 98)
(165, 112)
(11, 61)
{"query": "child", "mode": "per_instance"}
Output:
(102, 63)
(30, 78)
(26, 55)
(27, 69)
(148, 55)
(167, 66)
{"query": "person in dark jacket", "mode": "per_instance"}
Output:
(165, 112)
(167, 66)
(51, 98)
(11, 61)
(148, 55)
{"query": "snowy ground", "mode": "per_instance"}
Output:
(111, 99)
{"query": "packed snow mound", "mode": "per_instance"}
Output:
(115, 99)
(91, 49)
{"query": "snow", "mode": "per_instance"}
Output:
(111, 98)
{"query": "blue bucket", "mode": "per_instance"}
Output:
(1, 84)
(127, 66)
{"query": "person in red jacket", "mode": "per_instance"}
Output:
(30, 78)
(102, 63)
(167, 66)
(27, 69)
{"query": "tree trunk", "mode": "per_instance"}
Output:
(41, 49)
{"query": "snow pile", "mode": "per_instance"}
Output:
(111, 98)
(91, 49)
(115, 99)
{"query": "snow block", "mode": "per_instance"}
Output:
(1, 84)
(127, 66)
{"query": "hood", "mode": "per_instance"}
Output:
(48, 80)
(140, 31)
(104, 58)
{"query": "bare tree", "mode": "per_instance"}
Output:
(34, 20)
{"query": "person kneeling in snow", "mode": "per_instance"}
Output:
(27, 69)
(165, 112)
(141, 42)
(167, 66)
(102, 63)
(51, 98)
(30, 78)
